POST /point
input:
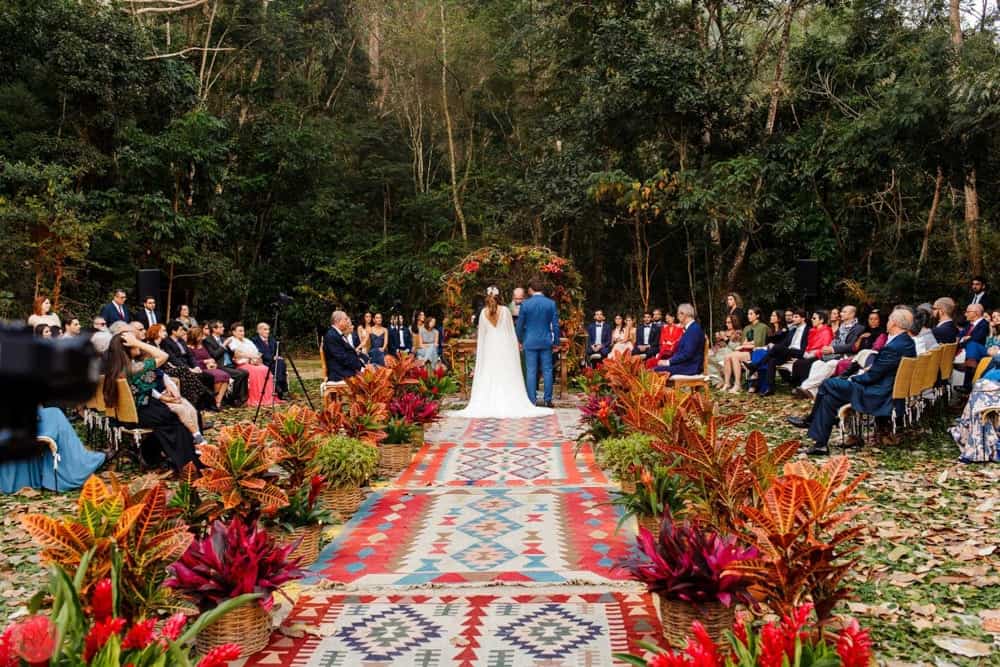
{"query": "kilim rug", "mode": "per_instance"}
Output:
(497, 547)
(509, 630)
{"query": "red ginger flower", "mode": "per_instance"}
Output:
(140, 635)
(220, 656)
(772, 647)
(34, 640)
(99, 635)
(7, 656)
(702, 649)
(174, 626)
(854, 646)
(471, 266)
(102, 600)
(669, 659)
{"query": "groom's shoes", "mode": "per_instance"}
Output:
(548, 404)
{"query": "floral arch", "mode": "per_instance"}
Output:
(507, 268)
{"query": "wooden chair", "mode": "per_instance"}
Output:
(901, 389)
(932, 375)
(694, 382)
(126, 417)
(330, 391)
(984, 363)
(917, 385)
(948, 352)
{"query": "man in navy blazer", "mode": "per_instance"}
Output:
(647, 337)
(946, 331)
(869, 392)
(689, 354)
(116, 310)
(538, 331)
(598, 337)
(342, 360)
(973, 340)
(400, 337)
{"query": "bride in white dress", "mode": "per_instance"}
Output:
(497, 385)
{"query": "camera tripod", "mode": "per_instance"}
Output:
(271, 369)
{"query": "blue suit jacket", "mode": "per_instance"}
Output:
(394, 346)
(268, 351)
(978, 333)
(342, 360)
(689, 355)
(110, 314)
(946, 332)
(538, 323)
(654, 339)
(605, 341)
(872, 391)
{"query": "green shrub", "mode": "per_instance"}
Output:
(627, 456)
(345, 461)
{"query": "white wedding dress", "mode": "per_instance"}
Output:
(498, 389)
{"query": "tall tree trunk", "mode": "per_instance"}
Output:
(779, 66)
(972, 221)
(925, 246)
(955, 18)
(455, 197)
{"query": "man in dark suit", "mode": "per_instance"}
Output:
(148, 315)
(116, 310)
(647, 338)
(973, 341)
(869, 392)
(342, 360)
(223, 360)
(598, 338)
(793, 346)
(689, 355)
(268, 349)
(946, 331)
(180, 355)
(400, 337)
(979, 295)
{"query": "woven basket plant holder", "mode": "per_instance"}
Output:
(393, 459)
(248, 626)
(417, 439)
(628, 486)
(342, 500)
(677, 615)
(308, 542)
(650, 523)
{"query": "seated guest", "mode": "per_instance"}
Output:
(820, 337)
(101, 336)
(342, 360)
(977, 287)
(73, 328)
(622, 336)
(428, 342)
(55, 332)
(181, 358)
(873, 337)
(43, 331)
(945, 331)
(184, 317)
(777, 331)
(208, 366)
(41, 313)
(268, 349)
(216, 347)
(993, 340)
(168, 392)
(598, 337)
(377, 341)
(647, 337)
(400, 337)
(727, 342)
(977, 436)
(670, 334)
(688, 357)
(973, 341)
(76, 462)
(169, 434)
(754, 338)
(923, 337)
(193, 386)
(116, 310)
(148, 315)
(792, 346)
(841, 347)
(247, 357)
(138, 328)
(869, 392)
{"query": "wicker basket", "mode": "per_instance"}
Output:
(650, 523)
(676, 617)
(342, 500)
(248, 626)
(417, 439)
(393, 459)
(307, 538)
(628, 486)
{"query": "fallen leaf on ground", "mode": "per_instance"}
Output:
(991, 620)
(969, 648)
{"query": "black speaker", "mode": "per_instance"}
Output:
(148, 283)
(807, 277)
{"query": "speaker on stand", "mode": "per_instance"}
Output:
(149, 282)
(807, 281)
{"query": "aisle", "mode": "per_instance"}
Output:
(495, 548)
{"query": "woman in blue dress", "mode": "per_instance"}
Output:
(378, 340)
(76, 462)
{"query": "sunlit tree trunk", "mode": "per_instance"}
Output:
(969, 177)
(455, 196)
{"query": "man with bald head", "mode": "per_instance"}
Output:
(342, 360)
(973, 340)
(846, 335)
(868, 392)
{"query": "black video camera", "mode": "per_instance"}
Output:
(34, 371)
(283, 300)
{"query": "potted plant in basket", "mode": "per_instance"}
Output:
(395, 451)
(625, 457)
(660, 492)
(301, 521)
(688, 570)
(347, 464)
(234, 559)
(417, 410)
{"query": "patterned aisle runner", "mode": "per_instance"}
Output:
(495, 548)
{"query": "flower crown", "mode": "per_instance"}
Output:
(492, 291)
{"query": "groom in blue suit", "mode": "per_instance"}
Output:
(538, 333)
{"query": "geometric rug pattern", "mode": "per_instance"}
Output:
(498, 630)
(496, 547)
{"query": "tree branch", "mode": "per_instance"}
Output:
(188, 49)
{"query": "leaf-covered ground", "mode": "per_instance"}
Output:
(928, 584)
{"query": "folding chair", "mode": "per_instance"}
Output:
(901, 389)
(914, 395)
(948, 352)
(327, 389)
(694, 382)
(125, 416)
